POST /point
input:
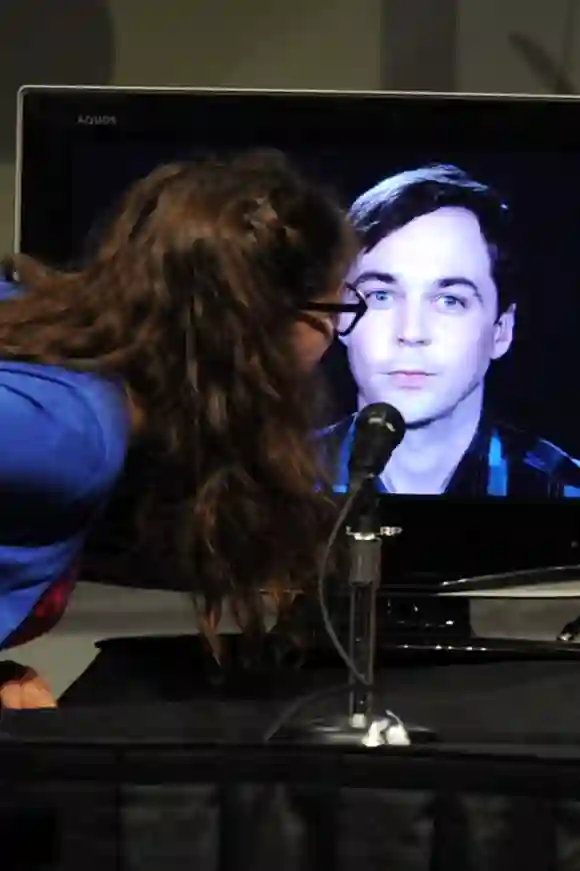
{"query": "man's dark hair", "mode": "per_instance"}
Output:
(397, 200)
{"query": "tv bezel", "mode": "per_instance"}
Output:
(51, 119)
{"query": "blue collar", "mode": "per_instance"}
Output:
(497, 475)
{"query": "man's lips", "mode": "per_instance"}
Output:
(410, 372)
(410, 379)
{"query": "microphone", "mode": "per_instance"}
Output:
(379, 429)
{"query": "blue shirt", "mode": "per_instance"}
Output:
(63, 441)
(501, 461)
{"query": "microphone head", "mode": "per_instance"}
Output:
(383, 415)
(379, 429)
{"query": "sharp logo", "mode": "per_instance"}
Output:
(97, 120)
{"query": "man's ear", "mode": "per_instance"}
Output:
(503, 334)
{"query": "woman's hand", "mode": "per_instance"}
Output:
(22, 688)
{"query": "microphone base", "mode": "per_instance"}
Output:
(340, 732)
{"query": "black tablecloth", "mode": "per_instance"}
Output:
(154, 779)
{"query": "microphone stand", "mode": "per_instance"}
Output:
(361, 726)
(365, 533)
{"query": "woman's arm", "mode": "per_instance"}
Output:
(62, 445)
(62, 438)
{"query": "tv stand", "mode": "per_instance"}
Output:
(415, 622)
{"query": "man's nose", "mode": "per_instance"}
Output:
(412, 324)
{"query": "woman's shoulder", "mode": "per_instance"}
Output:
(8, 289)
(62, 431)
(69, 429)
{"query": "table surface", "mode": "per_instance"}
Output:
(513, 702)
(499, 791)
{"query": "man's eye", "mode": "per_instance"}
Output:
(378, 297)
(449, 302)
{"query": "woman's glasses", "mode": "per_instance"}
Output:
(347, 313)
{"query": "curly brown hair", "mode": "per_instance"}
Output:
(190, 299)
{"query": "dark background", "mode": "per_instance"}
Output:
(535, 385)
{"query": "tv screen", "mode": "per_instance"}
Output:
(469, 209)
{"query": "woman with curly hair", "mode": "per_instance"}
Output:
(188, 339)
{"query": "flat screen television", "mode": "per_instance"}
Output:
(431, 174)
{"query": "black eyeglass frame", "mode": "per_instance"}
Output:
(358, 309)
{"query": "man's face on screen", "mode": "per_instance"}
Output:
(431, 329)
